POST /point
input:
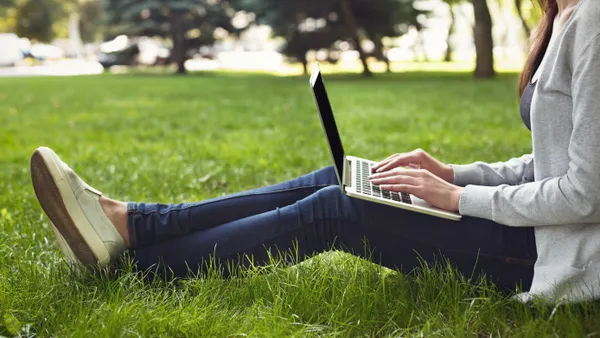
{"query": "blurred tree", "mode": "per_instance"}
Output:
(34, 20)
(353, 34)
(90, 13)
(529, 13)
(484, 43)
(68, 24)
(54, 11)
(80, 21)
(451, 27)
(5, 5)
(532, 12)
(519, 7)
(7, 15)
(321, 24)
(188, 23)
(386, 18)
(304, 25)
(299, 43)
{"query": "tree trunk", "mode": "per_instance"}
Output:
(304, 66)
(379, 51)
(484, 43)
(523, 22)
(449, 48)
(422, 47)
(353, 33)
(74, 34)
(388, 66)
(178, 37)
(181, 68)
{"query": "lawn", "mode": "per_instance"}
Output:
(172, 139)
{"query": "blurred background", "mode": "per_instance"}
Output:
(67, 37)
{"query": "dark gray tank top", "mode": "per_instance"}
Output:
(526, 104)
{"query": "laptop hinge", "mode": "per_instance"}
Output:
(348, 176)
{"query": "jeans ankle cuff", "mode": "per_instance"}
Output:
(131, 213)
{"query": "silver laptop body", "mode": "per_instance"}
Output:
(353, 172)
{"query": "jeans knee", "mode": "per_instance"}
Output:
(331, 193)
(330, 204)
(324, 176)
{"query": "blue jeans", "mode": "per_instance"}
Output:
(310, 215)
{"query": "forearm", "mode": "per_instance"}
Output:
(512, 172)
(553, 201)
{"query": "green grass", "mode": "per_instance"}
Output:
(172, 139)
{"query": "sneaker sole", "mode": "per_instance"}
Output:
(44, 178)
(68, 254)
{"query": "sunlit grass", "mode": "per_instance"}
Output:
(172, 139)
(379, 67)
(346, 67)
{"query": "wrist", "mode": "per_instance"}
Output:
(456, 197)
(448, 173)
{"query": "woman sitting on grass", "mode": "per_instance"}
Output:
(516, 213)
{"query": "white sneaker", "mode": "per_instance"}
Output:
(84, 233)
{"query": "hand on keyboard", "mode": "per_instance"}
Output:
(364, 185)
(418, 158)
(421, 183)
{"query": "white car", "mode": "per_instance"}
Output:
(42, 51)
(10, 50)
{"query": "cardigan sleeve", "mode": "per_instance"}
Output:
(573, 198)
(511, 172)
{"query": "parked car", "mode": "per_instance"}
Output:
(124, 57)
(43, 52)
(10, 50)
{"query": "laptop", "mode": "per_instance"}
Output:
(353, 172)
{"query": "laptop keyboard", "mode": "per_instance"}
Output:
(364, 185)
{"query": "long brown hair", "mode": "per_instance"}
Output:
(539, 42)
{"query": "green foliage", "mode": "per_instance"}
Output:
(454, 2)
(171, 139)
(41, 20)
(154, 18)
(12, 324)
(188, 23)
(532, 12)
(389, 18)
(297, 21)
(34, 20)
(44, 20)
(8, 18)
(90, 13)
(5, 4)
(319, 24)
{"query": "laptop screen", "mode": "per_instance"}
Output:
(333, 137)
